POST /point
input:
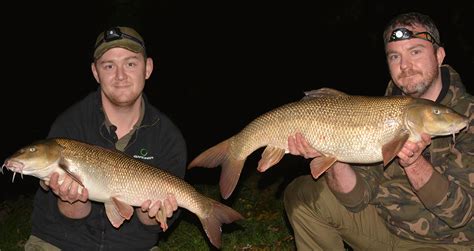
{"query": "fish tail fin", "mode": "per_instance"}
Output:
(230, 175)
(219, 214)
(212, 157)
(231, 168)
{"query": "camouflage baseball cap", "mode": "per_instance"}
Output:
(123, 37)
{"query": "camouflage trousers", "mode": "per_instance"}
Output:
(320, 222)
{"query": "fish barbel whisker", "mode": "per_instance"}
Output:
(13, 166)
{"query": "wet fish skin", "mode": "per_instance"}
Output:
(342, 127)
(119, 181)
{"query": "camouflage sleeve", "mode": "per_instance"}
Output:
(365, 190)
(449, 193)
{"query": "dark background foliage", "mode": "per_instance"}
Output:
(218, 64)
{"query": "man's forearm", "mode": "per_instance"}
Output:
(76, 210)
(341, 177)
(419, 172)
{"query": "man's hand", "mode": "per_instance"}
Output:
(69, 190)
(340, 176)
(73, 199)
(161, 210)
(411, 151)
(298, 145)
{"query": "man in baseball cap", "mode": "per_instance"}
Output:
(119, 117)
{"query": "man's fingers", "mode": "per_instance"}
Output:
(72, 191)
(300, 144)
(53, 181)
(173, 202)
(65, 186)
(167, 208)
(154, 209)
(291, 145)
(84, 196)
(145, 205)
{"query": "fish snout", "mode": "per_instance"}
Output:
(13, 165)
(456, 127)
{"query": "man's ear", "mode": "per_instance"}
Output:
(440, 54)
(94, 72)
(149, 67)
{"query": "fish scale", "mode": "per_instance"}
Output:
(342, 127)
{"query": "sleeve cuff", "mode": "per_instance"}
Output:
(434, 190)
(353, 198)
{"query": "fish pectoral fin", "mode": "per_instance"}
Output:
(161, 216)
(391, 148)
(43, 185)
(124, 209)
(112, 213)
(64, 165)
(319, 165)
(270, 156)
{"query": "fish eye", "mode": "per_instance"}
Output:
(436, 111)
(32, 149)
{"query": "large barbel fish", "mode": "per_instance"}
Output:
(342, 127)
(119, 181)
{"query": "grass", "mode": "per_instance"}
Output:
(15, 222)
(258, 197)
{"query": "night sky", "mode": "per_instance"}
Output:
(217, 65)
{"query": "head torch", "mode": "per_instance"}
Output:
(116, 34)
(404, 33)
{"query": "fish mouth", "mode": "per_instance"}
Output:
(14, 166)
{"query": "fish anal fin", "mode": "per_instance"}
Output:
(270, 156)
(218, 215)
(319, 165)
(230, 175)
(391, 148)
(112, 213)
(124, 209)
(64, 166)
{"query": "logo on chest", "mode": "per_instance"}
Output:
(143, 154)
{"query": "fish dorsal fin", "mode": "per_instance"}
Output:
(323, 92)
(65, 167)
(319, 165)
(270, 156)
(391, 148)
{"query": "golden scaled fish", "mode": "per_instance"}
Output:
(119, 181)
(342, 127)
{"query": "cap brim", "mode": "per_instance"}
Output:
(121, 43)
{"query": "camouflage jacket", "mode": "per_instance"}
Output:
(442, 210)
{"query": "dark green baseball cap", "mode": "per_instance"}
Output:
(123, 37)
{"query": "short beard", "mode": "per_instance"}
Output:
(422, 87)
